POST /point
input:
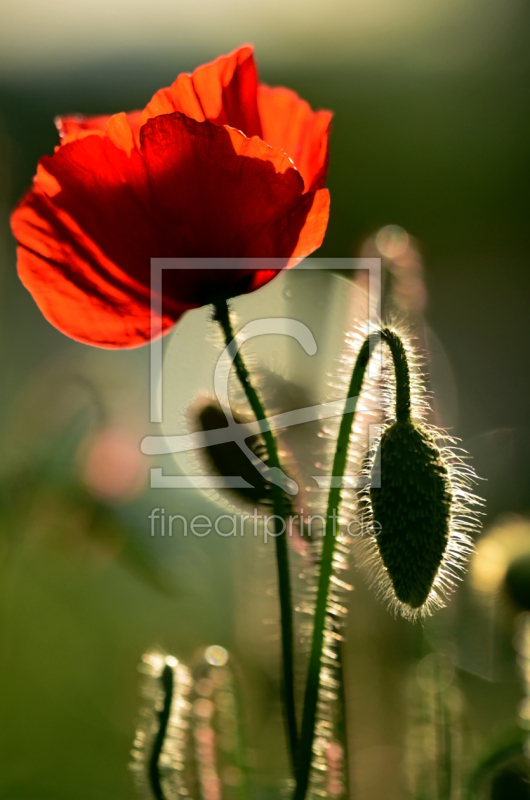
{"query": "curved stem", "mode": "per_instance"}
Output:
(166, 679)
(340, 461)
(401, 371)
(511, 744)
(222, 315)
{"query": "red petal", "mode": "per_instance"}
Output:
(226, 92)
(96, 216)
(288, 122)
(76, 127)
(223, 92)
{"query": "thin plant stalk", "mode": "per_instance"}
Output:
(222, 315)
(166, 679)
(340, 461)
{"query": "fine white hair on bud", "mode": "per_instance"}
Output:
(418, 500)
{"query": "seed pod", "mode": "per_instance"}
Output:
(413, 509)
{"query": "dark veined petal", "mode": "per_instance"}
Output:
(101, 208)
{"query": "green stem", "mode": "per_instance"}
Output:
(328, 548)
(402, 373)
(222, 315)
(166, 679)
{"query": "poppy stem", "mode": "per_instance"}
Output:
(340, 461)
(166, 680)
(222, 315)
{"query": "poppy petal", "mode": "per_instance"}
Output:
(223, 92)
(288, 122)
(77, 126)
(98, 213)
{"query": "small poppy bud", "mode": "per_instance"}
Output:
(227, 458)
(418, 497)
(413, 508)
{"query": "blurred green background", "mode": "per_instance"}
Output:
(431, 133)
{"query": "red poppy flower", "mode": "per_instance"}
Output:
(216, 165)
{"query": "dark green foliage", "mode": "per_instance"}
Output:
(413, 507)
(510, 784)
(517, 582)
(501, 770)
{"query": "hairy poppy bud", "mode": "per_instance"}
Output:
(418, 497)
(413, 508)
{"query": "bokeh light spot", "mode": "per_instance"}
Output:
(216, 655)
(392, 241)
(204, 708)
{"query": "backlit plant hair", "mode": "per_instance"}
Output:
(249, 163)
(419, 513)
(161, 746)
(418, 499)
(421, 505)
(189, 741)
